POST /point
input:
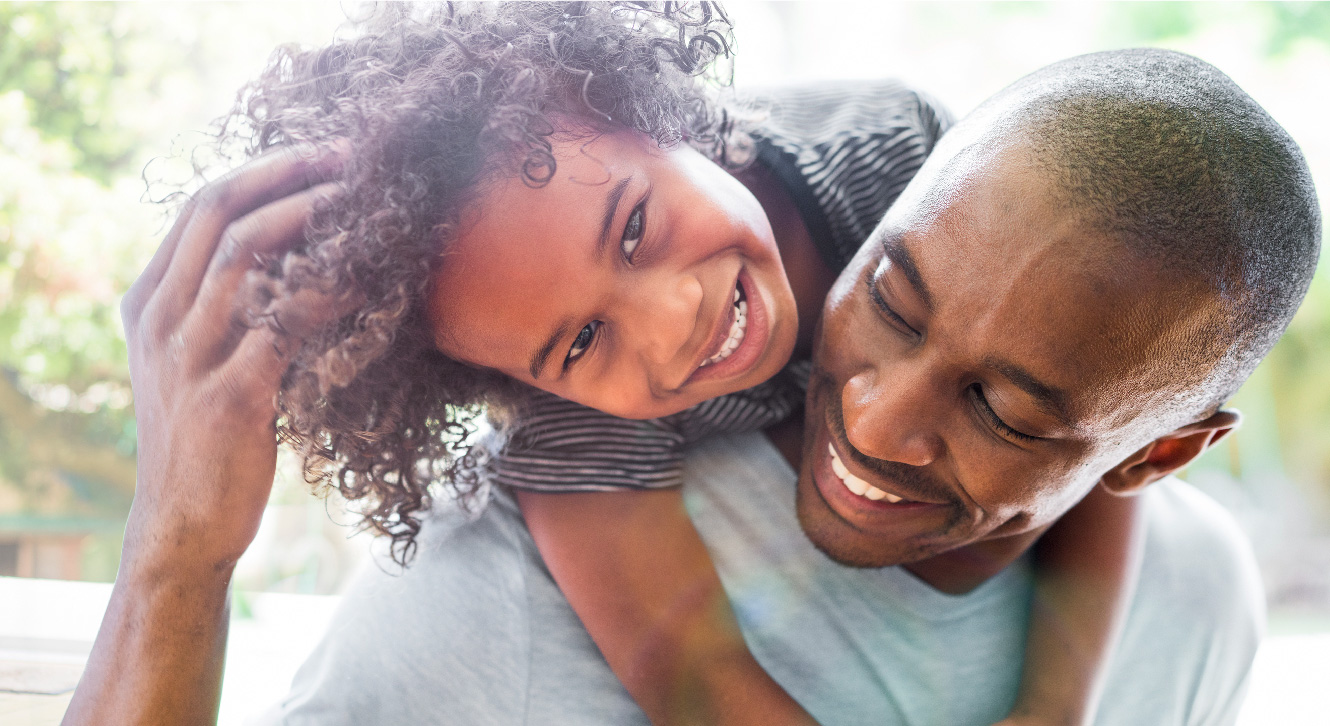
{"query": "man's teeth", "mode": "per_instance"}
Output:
(857, 485)
(737, 329)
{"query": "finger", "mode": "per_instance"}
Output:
(269, 230)
(293, 318)
(263, 180)
(252, 376)
(306, 312)
(132, 304)
(262, 355)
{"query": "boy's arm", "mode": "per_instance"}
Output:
(1086, 567)
(637, 574)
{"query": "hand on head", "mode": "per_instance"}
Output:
(204, 379)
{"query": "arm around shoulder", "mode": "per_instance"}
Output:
(1197, 618)
(641, 580)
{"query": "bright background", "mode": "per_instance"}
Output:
(91, 94)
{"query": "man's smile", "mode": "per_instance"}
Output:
(869, 501)
(856, 500)
(857, 485)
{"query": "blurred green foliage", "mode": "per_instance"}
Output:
(1282, 23)
(69, 242)
(89, 94)
(1295, 21)
(67, 61)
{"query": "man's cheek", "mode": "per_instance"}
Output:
(839, 343)
(847, 284)
(1018, 499)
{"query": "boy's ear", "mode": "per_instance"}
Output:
(1169, 453)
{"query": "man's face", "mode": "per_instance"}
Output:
(983, 360)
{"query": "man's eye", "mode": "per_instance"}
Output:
(881, 304)
(632, 233)
(584, 338)
(987, 412)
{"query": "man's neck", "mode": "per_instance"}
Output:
(954, 572)
(961, 570)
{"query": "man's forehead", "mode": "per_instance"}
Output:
(1017, 278)
(998, 221)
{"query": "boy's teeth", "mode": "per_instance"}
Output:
(857, 485)
(737, 330)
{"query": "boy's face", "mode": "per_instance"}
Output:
(614, 285)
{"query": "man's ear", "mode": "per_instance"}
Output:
(1169, 453)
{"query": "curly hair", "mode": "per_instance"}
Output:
(435, 102)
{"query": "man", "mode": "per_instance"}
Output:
(1082, 273)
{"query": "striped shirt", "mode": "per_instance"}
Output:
(844, 152)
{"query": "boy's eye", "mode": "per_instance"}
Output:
(632, 233)
(583, 341)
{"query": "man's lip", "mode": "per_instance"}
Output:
(756, 334)
(833, 488)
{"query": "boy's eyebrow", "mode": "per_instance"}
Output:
(611, 209)
(542, 355)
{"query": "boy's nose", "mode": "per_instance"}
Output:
(663, 315)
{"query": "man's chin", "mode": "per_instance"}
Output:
(841, 543)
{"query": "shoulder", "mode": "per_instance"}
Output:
(1197, 618)
(845, 151)
(451, 631)
(820, 111)
(475, 631)
(1195, 543)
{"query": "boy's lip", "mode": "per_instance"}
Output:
(756, 333)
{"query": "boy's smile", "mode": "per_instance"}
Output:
(638, 281)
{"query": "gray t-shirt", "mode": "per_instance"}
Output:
(477, 633)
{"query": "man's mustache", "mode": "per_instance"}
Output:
(913, 479)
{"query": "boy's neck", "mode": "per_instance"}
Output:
(809, 276)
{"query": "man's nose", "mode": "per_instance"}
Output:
(889, 414)
(661, 315)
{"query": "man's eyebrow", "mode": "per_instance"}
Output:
(1051, 399)
(542, 355)
(611, 209)
(901, 257)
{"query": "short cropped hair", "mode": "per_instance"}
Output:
(1166, 154)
